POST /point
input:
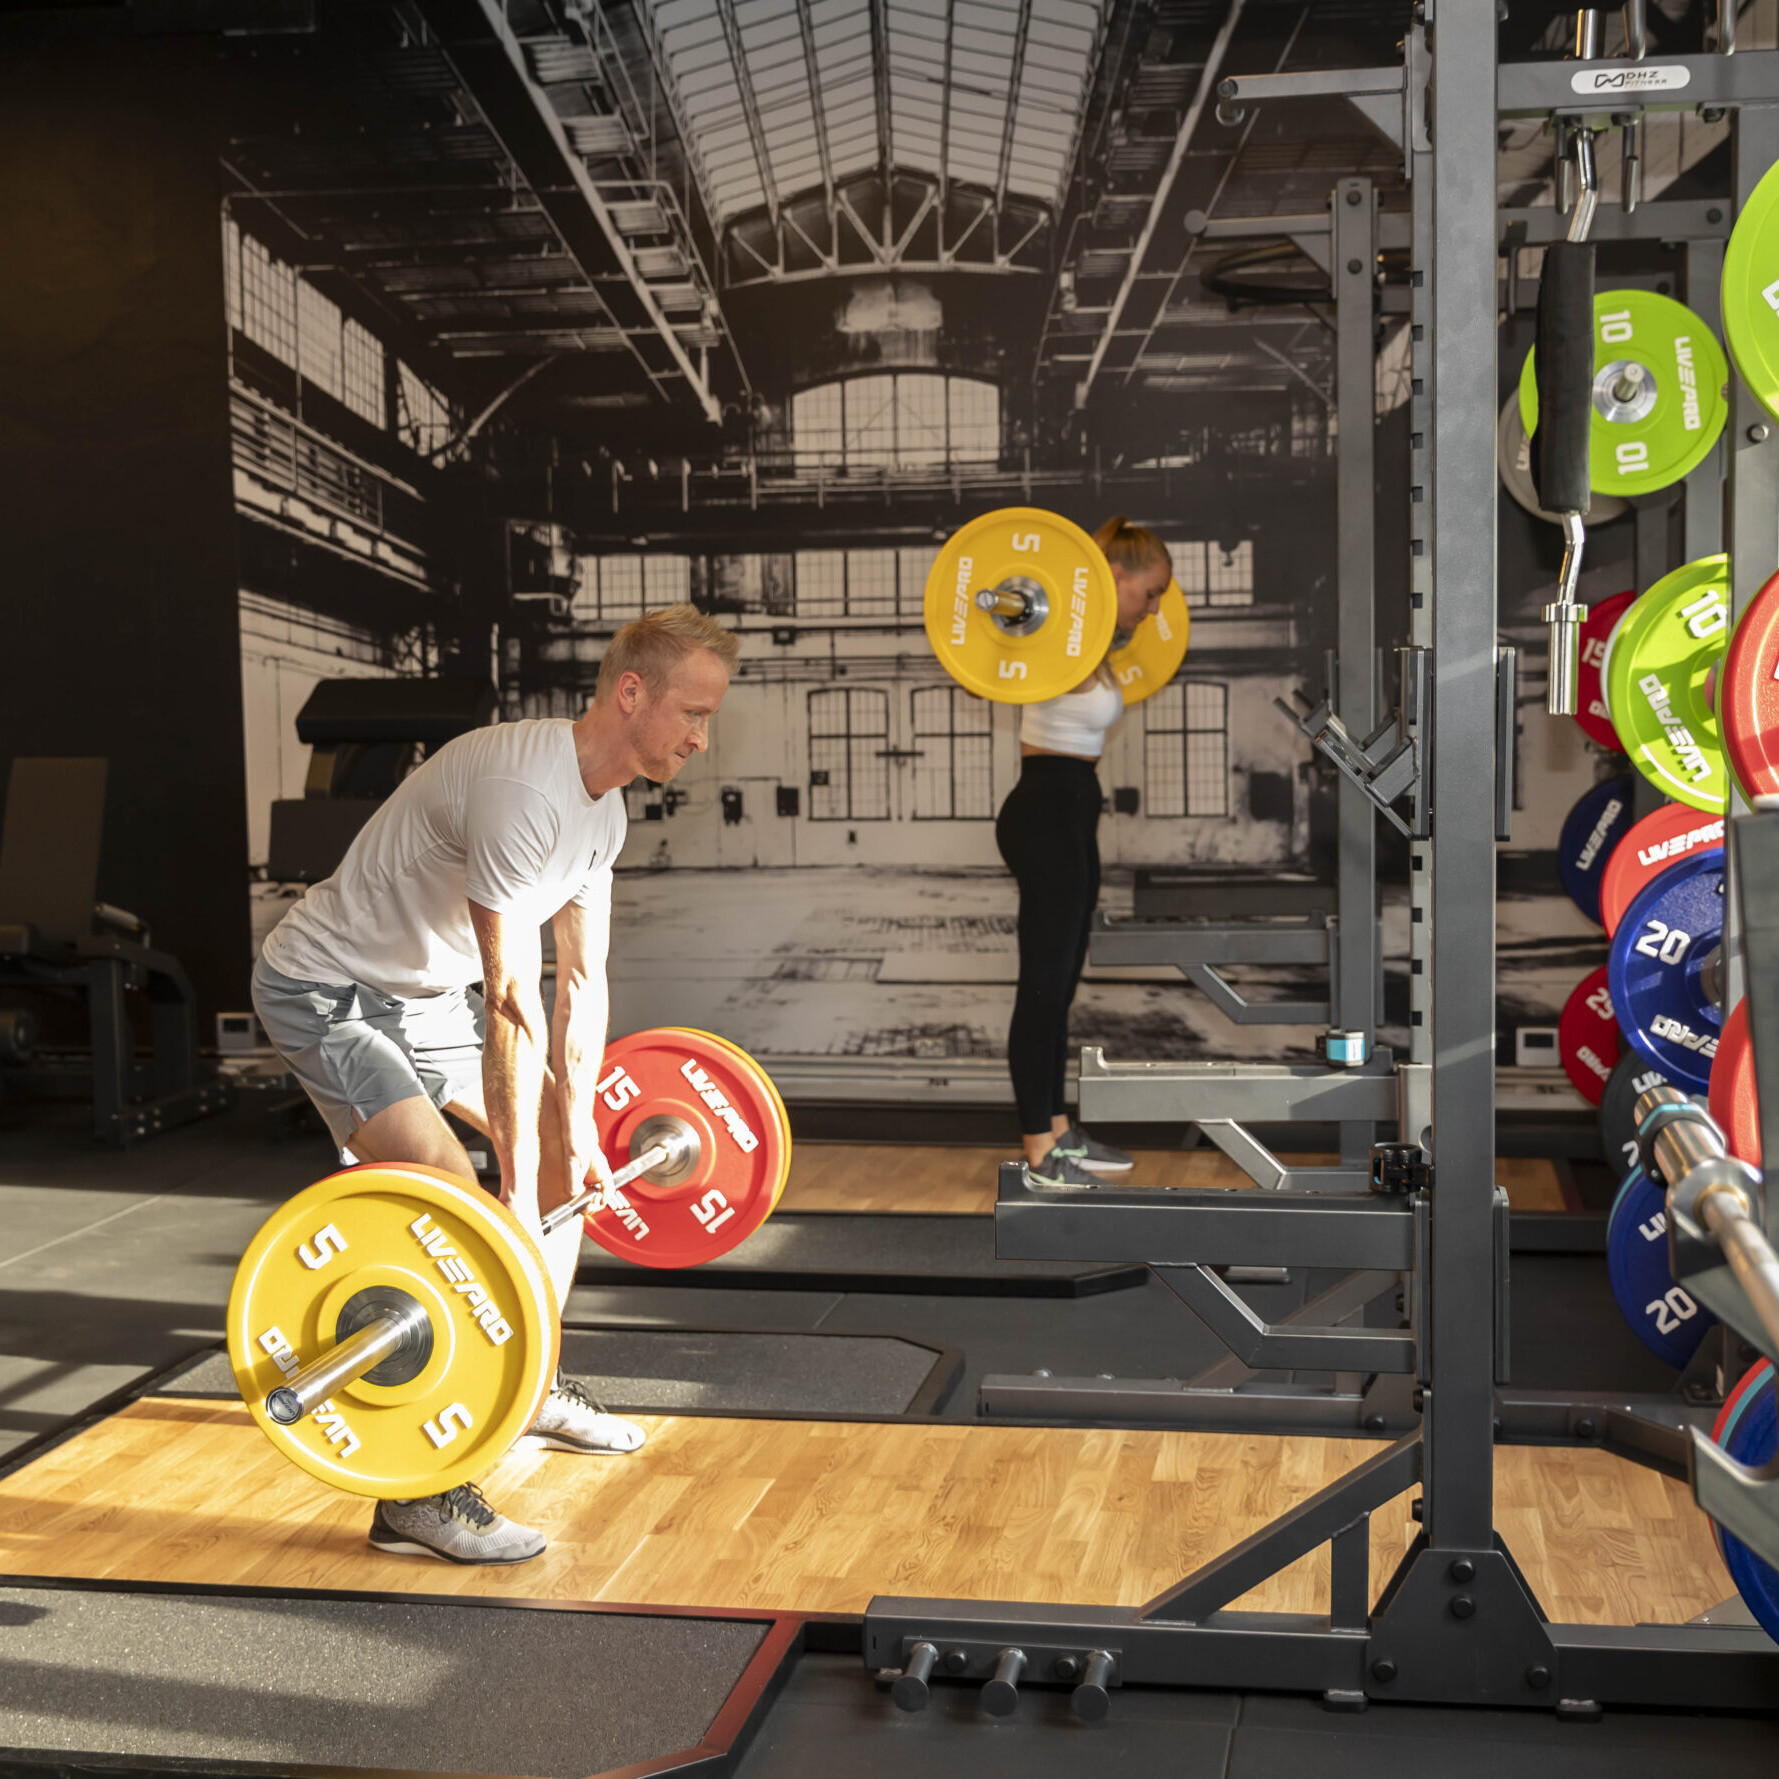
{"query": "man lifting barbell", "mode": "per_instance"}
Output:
(367, 986)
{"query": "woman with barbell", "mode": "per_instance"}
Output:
(1047, 832)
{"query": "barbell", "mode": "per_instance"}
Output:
(393, 1330)
(1021, 606)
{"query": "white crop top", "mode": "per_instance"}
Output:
(1075, 723)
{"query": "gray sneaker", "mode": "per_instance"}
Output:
(571, 1421)
(457, 1527)
(1092, 1154)
(1059, 1169)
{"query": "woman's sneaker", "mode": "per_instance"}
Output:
(457, 1527)
(1059, 1168)
(571, 1421)
(1092, 1154)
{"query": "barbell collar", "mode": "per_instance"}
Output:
(346, 1362)
(1004, 602)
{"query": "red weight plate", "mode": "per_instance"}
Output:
(728, 1192)
(1748, 695)
(1590, 694)
(1732, 1100)
(1587, 1036)
(1662, 838)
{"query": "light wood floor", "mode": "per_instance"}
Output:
(956, 1179)
(820, 1516)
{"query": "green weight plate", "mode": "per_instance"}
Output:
(1660, 662)
(1660, 399)
(1751, 292)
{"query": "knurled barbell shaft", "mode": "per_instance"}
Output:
(343, 1363)
(662, 1154)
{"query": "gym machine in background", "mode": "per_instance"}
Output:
(1457, 1622)
(58, 941)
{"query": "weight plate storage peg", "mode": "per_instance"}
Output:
(1588, 1041)
(1751, 289)
(1663, 1315)
(1748, 1429)
(1664, 836)
(1020, 605)
(1748, 695)
(1661, 662)
(1666, 969)
(1734, 1097)
(1591, 833)
(441, 1409)
(715, 1105)
(1590, 695)
(1660, 397)
(1632, 1075)
(1157, 647)
(1513, 452)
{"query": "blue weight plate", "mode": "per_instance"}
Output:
(1750, 1435)
(1591, 830)
(1655, 972)
(1661, 1314)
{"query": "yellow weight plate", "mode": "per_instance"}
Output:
(1153, 655)
(468, 1263)
(784, 1117)
(1063, 598)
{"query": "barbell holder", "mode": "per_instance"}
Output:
(347, 1361)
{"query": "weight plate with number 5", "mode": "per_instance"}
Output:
(1666, 970)
(440, 1411)
(711, 1199)
(1660, 668)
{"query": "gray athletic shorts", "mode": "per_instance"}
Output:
(357, 1050)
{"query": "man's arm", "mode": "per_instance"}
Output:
(577, 1037)
(513, 1051)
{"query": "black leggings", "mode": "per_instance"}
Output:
(1048, 834)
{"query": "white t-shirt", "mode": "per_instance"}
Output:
(499, 816)
(1073, 722)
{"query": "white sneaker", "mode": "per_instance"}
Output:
(456, 1527)
(571, 1421)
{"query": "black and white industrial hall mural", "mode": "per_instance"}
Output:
(543, 313)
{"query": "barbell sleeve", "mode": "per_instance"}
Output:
(343, 1363)
(1004, 602)
(1682, 1140)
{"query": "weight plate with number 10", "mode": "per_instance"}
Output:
(1661, 662)
(1660, 398)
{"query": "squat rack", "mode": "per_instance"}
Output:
(1457, 1622)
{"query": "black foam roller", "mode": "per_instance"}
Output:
(1565, 365)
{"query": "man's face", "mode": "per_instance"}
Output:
(668, 729)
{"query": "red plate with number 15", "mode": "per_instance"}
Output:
(710, 1203)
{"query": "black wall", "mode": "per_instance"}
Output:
(121, 634)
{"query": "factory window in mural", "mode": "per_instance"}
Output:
(624, 587)
(1186, 750)
(848, 744)
(896, 420)
(953, 741)
(1209, 575)
(889, 584)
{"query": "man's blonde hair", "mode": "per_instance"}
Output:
(1132, 547)
(654, 646)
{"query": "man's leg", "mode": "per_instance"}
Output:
(412, 1130)
(562, 1247)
